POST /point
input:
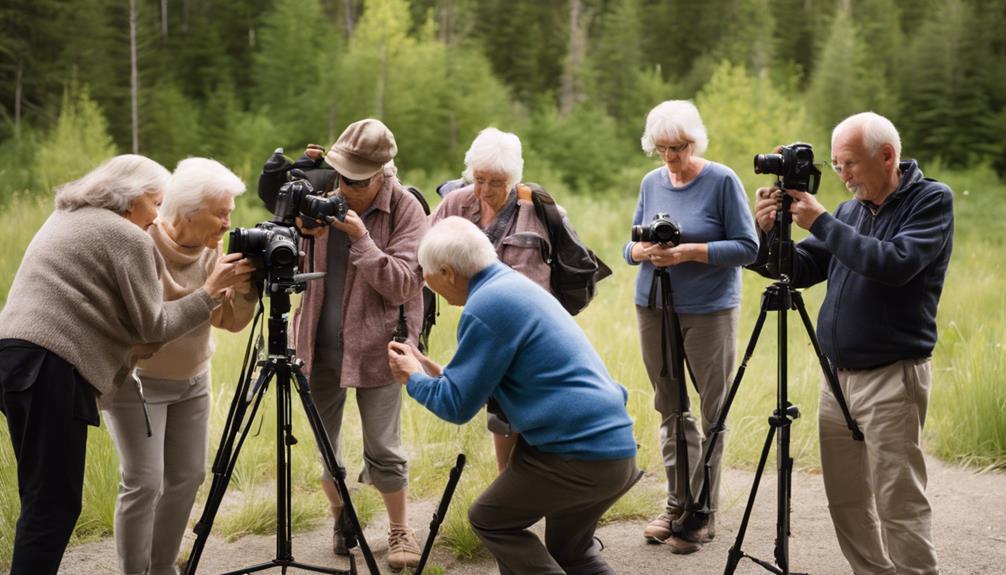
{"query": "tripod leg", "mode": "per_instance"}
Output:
(223, 466)
(828, 369)
(721, 421)
(337, 472)
(736, 554)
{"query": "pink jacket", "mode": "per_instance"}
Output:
(382, 273)
(520, 247)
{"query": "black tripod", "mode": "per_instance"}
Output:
(779, 297)
(285, 369)
(673, 364)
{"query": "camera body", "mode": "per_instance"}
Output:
(794, 164)
(273, 248)
(661, 230)
(297, 197)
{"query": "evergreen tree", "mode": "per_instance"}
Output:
(945, 90)
(295, 66)
(79, 142)
(171, 130)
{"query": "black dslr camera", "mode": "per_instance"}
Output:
(662, 230)
(794, 164)
(273, 248)
(297, 197)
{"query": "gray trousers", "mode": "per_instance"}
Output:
(710, 342)
(570, 494)
(877, 488)
(384, 463)
(160, 475)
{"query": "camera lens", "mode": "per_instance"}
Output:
(640, 234)
(769, 164)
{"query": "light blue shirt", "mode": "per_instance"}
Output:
(712, 209)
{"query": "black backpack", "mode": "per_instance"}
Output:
(430, 308)
(576, 269)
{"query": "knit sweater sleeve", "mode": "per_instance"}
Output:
(474, 372)
(137, 267)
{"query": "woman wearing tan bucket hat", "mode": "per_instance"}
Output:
(345, 321)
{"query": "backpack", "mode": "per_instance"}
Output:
(430, 307)
(576, 269)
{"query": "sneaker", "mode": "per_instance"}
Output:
(680, 546)
(403, 550)
(660, 528)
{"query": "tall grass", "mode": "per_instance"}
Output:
(967, 421)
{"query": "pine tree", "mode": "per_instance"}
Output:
(79, 141)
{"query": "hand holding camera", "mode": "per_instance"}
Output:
(804, 208)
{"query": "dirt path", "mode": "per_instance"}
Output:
(970, 525)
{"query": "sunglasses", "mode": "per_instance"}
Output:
(356, 183)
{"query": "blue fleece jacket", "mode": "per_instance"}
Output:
(711, 209)
(885, 272)
(518, 345)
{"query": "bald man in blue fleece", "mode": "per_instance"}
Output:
(517, 345)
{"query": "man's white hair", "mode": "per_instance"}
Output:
(495, 151)
(456, 242)
(876, 129)
(114, 185)
(194, 182)
(675, 120)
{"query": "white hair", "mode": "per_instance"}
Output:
(675, 120)
(456, 242)
(495, 151)
(876, 130)
(113, 185)
(196, 180)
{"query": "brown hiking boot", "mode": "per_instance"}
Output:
(403, 550)
(680, 546)
(660, 528)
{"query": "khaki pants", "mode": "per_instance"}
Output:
(160, 474)
(711, 346)
(570, 494)
(384, 463)
(876, 488)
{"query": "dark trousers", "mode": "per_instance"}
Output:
(570, 494)
(48, 407)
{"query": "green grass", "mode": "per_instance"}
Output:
(966, 425)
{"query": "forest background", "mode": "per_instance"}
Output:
(81, 81)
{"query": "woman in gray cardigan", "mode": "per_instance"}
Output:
(87, 292)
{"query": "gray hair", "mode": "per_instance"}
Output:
(113, 185)
(495, 151)
(675, 119)
(456, 242)
(876, 130)
(195, 180)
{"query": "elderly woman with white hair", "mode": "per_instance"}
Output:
(87, 292)
(162, 471)
(504, 211)
(518, 345)
(707, 201)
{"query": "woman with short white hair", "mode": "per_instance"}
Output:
(162, 472)
(706, 199)
(87, 292)
(502, 208)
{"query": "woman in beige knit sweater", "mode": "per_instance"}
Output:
(88, 290)
(162, 473)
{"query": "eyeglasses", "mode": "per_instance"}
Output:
(843, 167)
(662, 150)
(497, 184)
(357, 183)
